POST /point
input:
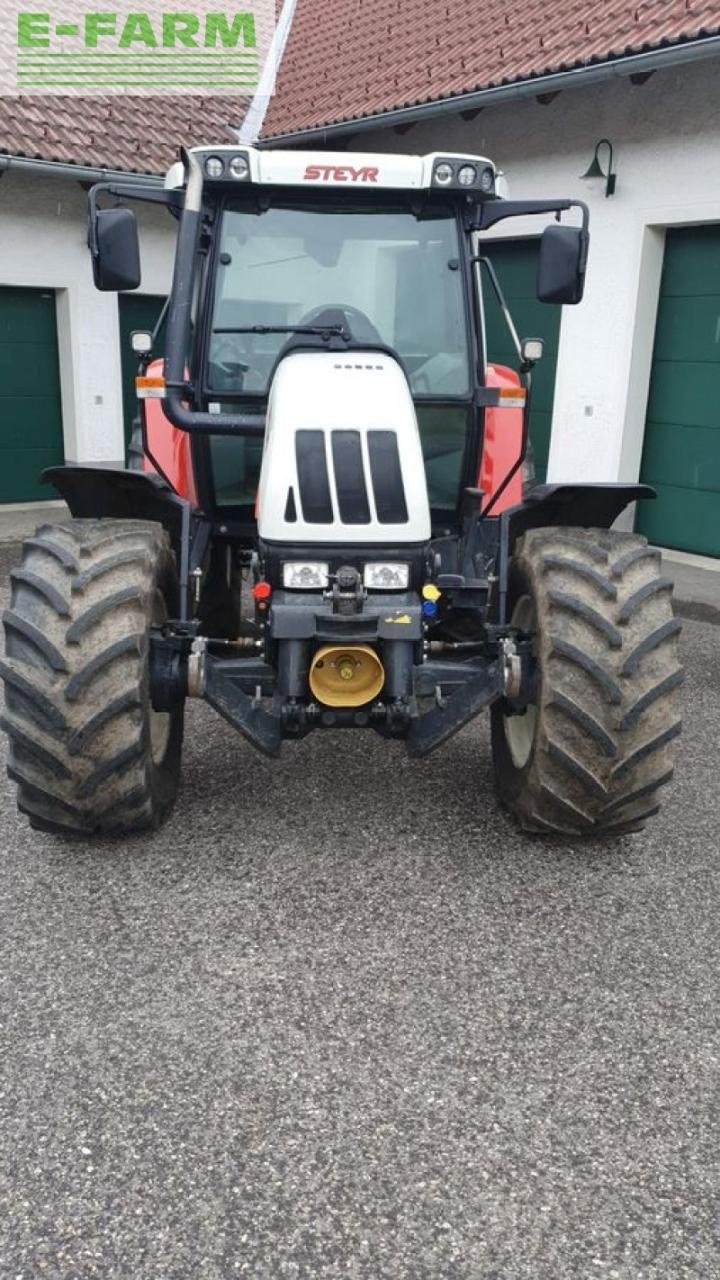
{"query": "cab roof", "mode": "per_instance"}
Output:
(474, 175)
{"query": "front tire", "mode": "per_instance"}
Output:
(87, 750)
(597, 741)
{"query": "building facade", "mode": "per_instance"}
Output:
(64, 346)
(66, 367)
(634, 387)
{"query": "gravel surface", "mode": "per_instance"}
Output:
(340, 1019)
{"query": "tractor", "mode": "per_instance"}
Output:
(327, 522)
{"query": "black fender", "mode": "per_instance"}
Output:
(590, 506)
(101, 493)
(96, 493)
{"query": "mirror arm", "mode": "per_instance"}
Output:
(127, 191)
(493, 211)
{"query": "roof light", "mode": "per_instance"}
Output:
(487, 179)
(214, 167)
(239, 167)
(466, 175)
(443, 174)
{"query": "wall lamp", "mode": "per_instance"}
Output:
(595, 169)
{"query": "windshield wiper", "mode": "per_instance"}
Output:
(326, 331)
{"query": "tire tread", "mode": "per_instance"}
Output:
(607, 713)
(75, 671)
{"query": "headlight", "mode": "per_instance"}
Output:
(214, 167)
(305, 575)
(444, 174)
(239, 167)
(386, 577)
(466, 175)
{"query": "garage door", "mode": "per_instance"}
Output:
(681, 455)
(137, 311)
(30, 408)
(516, 265)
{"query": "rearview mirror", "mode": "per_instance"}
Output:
(561, 269)
(116, 257)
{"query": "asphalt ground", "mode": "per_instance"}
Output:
(339, 1018)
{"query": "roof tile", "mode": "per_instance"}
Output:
(140, 135)
(348, 59)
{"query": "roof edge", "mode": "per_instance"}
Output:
(685, 50)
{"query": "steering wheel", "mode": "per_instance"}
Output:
(360, 326)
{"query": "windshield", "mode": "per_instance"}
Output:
(395, 276)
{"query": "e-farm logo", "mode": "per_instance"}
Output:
(157, 49)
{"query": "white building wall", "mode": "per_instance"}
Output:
(666, 136)
(43, 245)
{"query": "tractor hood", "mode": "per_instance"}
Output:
(342, 460)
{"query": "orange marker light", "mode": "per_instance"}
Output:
(150, 388)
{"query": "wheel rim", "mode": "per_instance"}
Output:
(520, 730)
(159, 720)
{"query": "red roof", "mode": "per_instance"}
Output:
(352, 59)
(349, 59)
(140, 135)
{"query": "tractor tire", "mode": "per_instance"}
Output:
(87, 750)
(589, 756)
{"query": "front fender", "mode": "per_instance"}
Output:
(590, 506)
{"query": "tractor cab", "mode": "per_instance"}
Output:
(299, 252)
(375, 273)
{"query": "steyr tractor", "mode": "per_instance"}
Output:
(327, 523)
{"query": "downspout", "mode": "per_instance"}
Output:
(251, 126)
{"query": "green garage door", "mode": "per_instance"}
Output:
(515, 263)
(30, 406)
(681, 455)
(137, 311)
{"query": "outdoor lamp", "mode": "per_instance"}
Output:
(596, 170)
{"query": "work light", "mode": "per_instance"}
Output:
(386, 576)
(214, 167)
(305, 575)
(239, 167)
(466, 175)
(444, 174)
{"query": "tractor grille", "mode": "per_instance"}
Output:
(350, 479)
(387, 477)
(313, 478)
(350, 484)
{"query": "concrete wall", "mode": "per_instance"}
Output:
(43, 245)
(666, 135)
